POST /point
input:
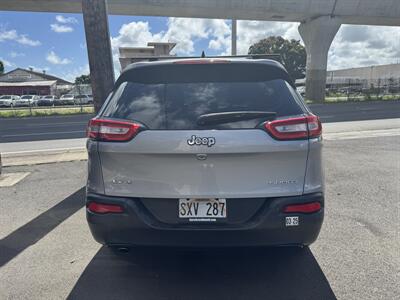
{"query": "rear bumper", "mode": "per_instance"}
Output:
(137, 226)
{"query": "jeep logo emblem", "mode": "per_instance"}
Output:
(206, 141)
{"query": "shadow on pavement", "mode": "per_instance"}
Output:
(33, 231)
(240, 273)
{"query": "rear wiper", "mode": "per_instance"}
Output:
(233, 116)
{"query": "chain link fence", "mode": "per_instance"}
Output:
(363, 90)
(80, 102)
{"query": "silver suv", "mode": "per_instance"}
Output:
(205, 152)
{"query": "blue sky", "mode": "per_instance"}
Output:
(56, 42)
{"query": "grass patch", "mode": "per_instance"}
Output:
(50, 111)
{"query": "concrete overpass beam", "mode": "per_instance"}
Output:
(99, 49)
(317, 35)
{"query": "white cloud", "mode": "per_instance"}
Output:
(66, 20)
(134, 34)
(185, 32)
(353, 46)
(6, 63)
(24, 40)
(14, 54)
(250, 32)
(13, 35)
(8, 35)
(61, 28)
(70, 75)
(60, 25)
(54, 59)
(359, 46)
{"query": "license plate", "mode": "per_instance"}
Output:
(202, 210)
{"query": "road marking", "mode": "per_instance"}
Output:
(10, 179)
(44, 150)
(43, 133)
(361, 134)
(24, 126)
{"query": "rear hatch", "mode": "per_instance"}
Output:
(177, 153)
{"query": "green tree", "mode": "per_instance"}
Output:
(83, 79)
(293, 54)
(1, 67)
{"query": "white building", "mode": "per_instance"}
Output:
(128, 55)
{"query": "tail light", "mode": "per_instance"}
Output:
(305, 208)
(295, 128)
(112, 131)
(100, 208)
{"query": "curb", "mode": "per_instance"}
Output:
(25, 158)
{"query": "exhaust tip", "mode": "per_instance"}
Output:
(123, 249)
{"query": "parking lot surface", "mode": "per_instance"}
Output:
(47, 252)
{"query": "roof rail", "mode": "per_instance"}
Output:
(249, 56)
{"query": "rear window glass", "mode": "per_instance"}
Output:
(179, 105)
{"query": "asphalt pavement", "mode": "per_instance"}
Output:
(74, 126)
(47, 252)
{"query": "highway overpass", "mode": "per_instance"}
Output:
(320, 20)
(372, 12)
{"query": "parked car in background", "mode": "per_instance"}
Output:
(81, 99)
(47, 100)
(67, 99)
(70, 99)
(8, 100)
(27, 100)
(301, 90)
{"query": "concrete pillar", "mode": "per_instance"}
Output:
(99, 49)
(317, 35)
(234, 37)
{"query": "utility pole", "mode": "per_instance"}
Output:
(99, 49)
(234, 37)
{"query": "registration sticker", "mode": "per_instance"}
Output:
(292, 221)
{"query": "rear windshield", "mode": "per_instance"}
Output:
(177, 106)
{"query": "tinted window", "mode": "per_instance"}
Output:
(178, 105)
